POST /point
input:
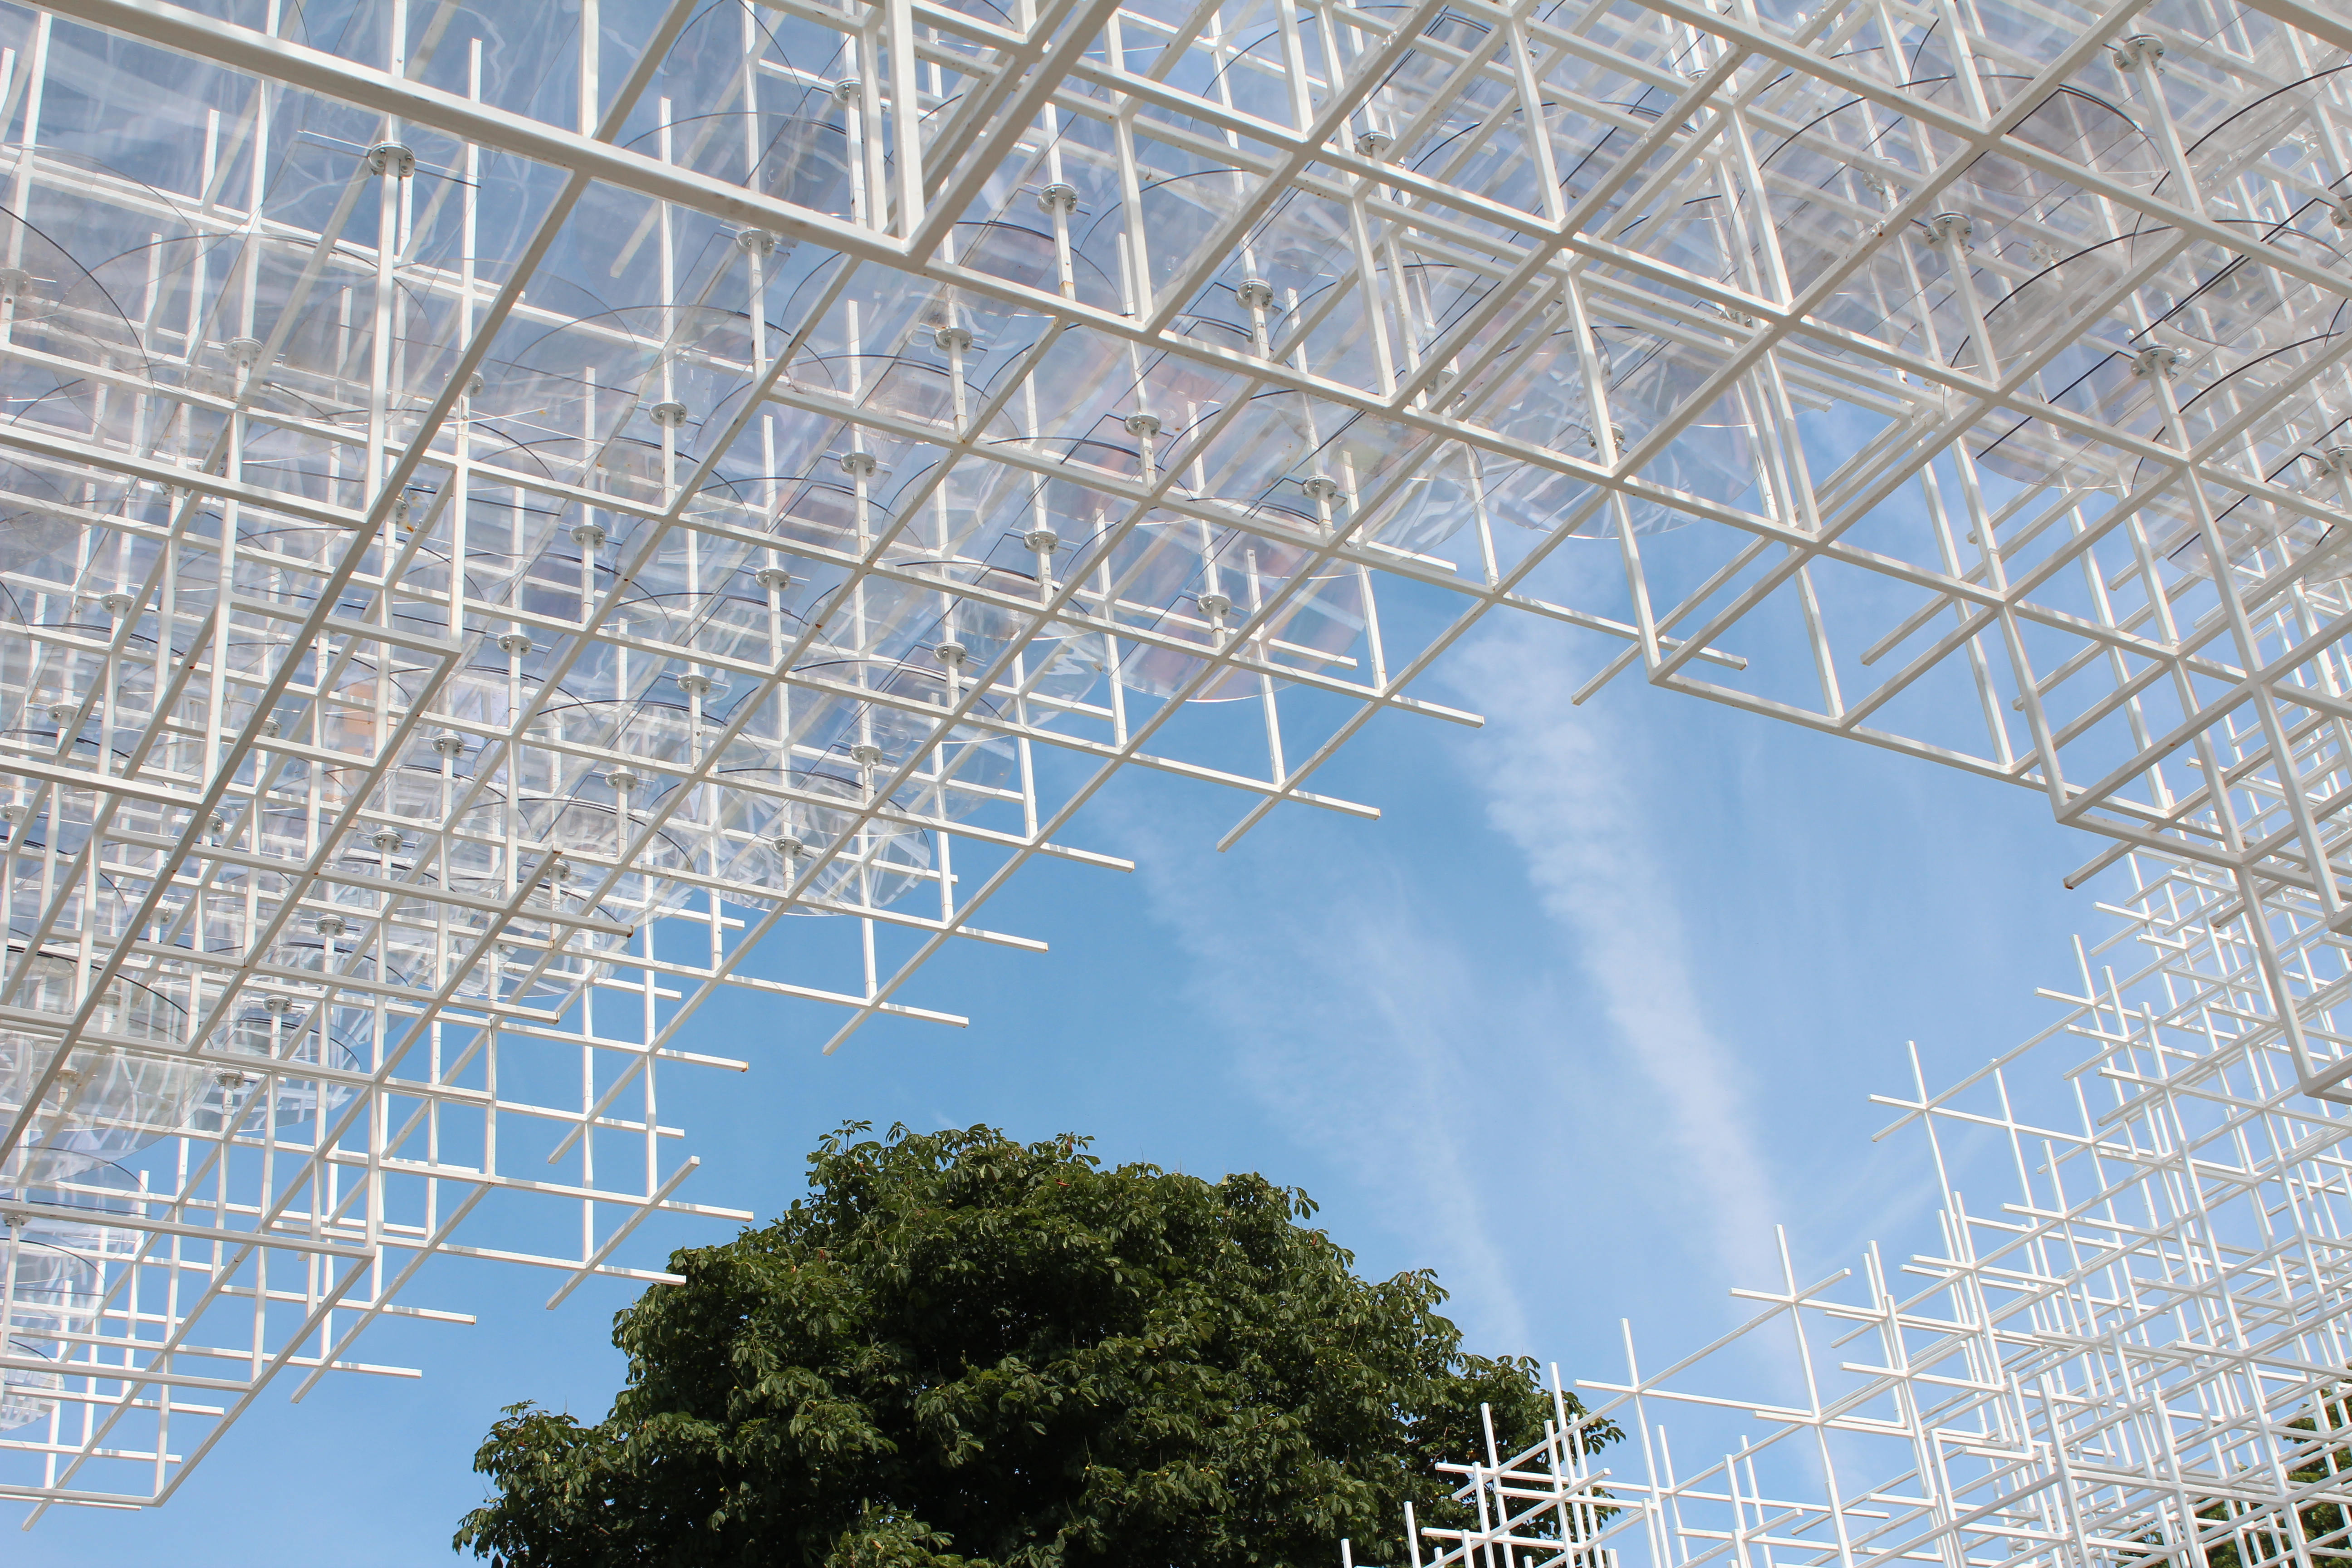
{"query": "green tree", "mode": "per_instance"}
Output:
(2320, 1463)
(963, 1352)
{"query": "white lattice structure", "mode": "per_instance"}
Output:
(2131, 1346)
(500, 504)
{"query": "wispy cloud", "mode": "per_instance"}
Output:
(1352, 1020)
(1517, 1074)
(1567, 786)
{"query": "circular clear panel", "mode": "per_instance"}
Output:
(777, 823)
(53, 1273)
(127, 1083)
(265, 1064)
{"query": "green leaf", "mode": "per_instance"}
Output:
(962, 1352)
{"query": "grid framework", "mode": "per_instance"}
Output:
(505, 504)
(2126, 1343)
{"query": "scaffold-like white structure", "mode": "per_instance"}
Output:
(2130, 1346)
(502, 503)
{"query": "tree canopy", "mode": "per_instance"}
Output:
(960, 1351)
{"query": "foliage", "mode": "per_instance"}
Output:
(962, 1352)
(2323, 1522)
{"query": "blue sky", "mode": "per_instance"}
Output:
(1594, 1005)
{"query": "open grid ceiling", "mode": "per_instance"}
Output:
(505, 503)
